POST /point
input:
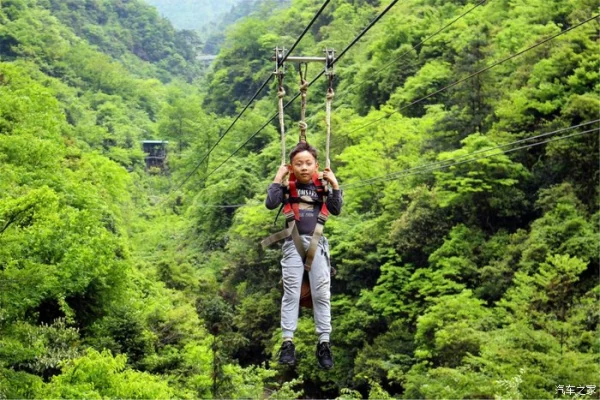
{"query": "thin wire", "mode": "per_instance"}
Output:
(305, 30)
(475, 73)
(226, 205)
(435, 166)
(363, 32)
(430, 36)
(249, 102)
(392, 174)
(473, 159)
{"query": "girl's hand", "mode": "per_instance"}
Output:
(329, 176)
(281, 173)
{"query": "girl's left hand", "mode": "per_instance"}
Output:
(329, 176)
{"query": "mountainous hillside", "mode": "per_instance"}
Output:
(464, 137)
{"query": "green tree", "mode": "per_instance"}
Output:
(486, 191)
(99, 375)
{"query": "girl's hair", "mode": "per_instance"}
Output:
(303, 146)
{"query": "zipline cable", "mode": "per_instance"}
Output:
(436, 166)
(477, 73)
(363, 32)
(431, 36)
(392, 174)
(251, 100)
(447, 165)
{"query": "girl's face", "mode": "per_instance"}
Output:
(304, 166)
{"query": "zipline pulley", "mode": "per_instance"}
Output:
(278, 58)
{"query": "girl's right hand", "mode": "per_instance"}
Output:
(281, 173)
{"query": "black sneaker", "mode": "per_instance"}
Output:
(324, 356)
(287, 353)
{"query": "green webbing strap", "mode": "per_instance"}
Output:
(314, 242)
(276, 237)
(298, 241)
(291, 230)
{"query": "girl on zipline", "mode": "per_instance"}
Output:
(306, 200)
(307, 212)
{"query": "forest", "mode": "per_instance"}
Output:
(465, 140)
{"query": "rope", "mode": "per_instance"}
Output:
(303, 90)
(280, 94)
(247, 105)
(328, 100)
(356, 39)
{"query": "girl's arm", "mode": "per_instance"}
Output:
(275, 190)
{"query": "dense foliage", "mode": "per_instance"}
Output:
(472, 280)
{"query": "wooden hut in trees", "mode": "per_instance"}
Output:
(156, 153)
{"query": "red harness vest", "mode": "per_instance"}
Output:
(291, 210)
(293, 200)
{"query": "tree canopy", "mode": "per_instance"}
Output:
(467, 252)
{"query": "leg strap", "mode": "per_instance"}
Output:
(314, 241)
(307, 255)
(276, 237)
(298, 241)
(291, 230)
(312, 249)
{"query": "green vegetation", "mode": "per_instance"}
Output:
(476, 280)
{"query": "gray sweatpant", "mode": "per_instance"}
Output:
(319, 275)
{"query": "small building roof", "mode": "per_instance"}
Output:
(155, 141)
